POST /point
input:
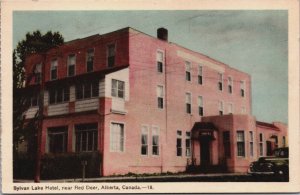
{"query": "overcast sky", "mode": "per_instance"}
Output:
(252, 41)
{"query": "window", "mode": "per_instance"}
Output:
(283, 141)
(200, 105)
(187, 71)
(90, 60)
(221, 108)
(86, 137)
(188, 101)
(59, 95)
(251, 143)
(200, 76)
(179, 143)
(34, 100)
(117, 88)
(226, 144)
(243, 88)
(57, 139)
(243, 110)
(230, 108)
(261, 144)
(71, 65)
(160, 96)
(117, 137)
(155, 141)
(111, 55)
(230, 85)
(87, 90)
(53, 69)
(144, 140)
(160, 61)
(240, 143)
(220, 82)
(188, 143)
(38, 73)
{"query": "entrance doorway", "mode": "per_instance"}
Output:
(205, 151)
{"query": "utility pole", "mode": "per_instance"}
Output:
(40, 122)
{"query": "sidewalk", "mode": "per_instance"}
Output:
(139, 178)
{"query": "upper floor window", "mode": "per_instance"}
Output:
(160, 96)
(187, 71)
(188, 103)
(240, 143)
(200, 76)
(53, 69)
(144, 140)
(188, 143)
(117, 137)
(155, 141)
(243, 110)
(38, 73)
(160, 61)
(200, 105)
(71, 64)
(57, 139)
(86, 137)
(87, 90)
(221, 108)
(34, 100)
(230, 108)
(90, 60)
(59, 95)
(179, 143)
(111, 55)
(230, 83)
(220, 81)
(117, 88)
(243, 88)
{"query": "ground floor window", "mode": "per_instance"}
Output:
(251, 145)
(261, 145)
(155, 141)
(117, 137)
(57, 139)
(240, 143)
(144, 140)
(188, 143)
(86, 137)
(179, 143)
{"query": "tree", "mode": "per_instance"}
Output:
(34, 42)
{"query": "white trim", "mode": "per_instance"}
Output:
(191, 97)
(124, 136)
(163, 96)
(190, 71)
(115, 51)
(159, 140)
(141, 133)
(163, 61)
(54, 59)
(229, 76)
(86, 58)
(200, 65)
(74, 64)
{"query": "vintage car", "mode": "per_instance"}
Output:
(277, 164)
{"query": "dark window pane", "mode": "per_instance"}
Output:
(37, 77)
(220, 112)
(200, 79)
(242, 93)
(54, 74)
(220, 86)
(188, 76)
(144, 150)
(188, 108)
(87, 90)
(160, 102)
(79, 92)
(159, 67)
(71, 71)
(51, 96)
(201, 111)
(95, 89)
(111, 61)
(230, 89)
(66, 94)
(59, 94)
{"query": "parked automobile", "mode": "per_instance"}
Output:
(277, 164)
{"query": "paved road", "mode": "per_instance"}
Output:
(228, 177)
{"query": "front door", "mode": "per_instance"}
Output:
(204, 151)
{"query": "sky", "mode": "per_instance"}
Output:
(255, 42)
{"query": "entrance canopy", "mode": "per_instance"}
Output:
(203, 130)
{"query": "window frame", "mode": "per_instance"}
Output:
(188, 104)
(200, 74)
(200, 106)
(155, 133)
(69, 65)
(243, 88)
(38, 73)
(240, 143)
(188, 70)
(65, 91)
(221, 107)
(261, 144)
(93, 85)
(108, 55)
(179, 147)
(230, 108)
(251, 144)
(220, 81)
(230, 84)
(147, 140)
(158, 61)
(87, 131)
(160, 98)
(188, 144)
(89, 51)
(122, 141)
(117, 89)
(63, 132)
(54, 66)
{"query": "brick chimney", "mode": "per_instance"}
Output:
(162, 34)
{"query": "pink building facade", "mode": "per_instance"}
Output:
(147, 105)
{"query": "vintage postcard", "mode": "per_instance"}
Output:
(150, 96)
